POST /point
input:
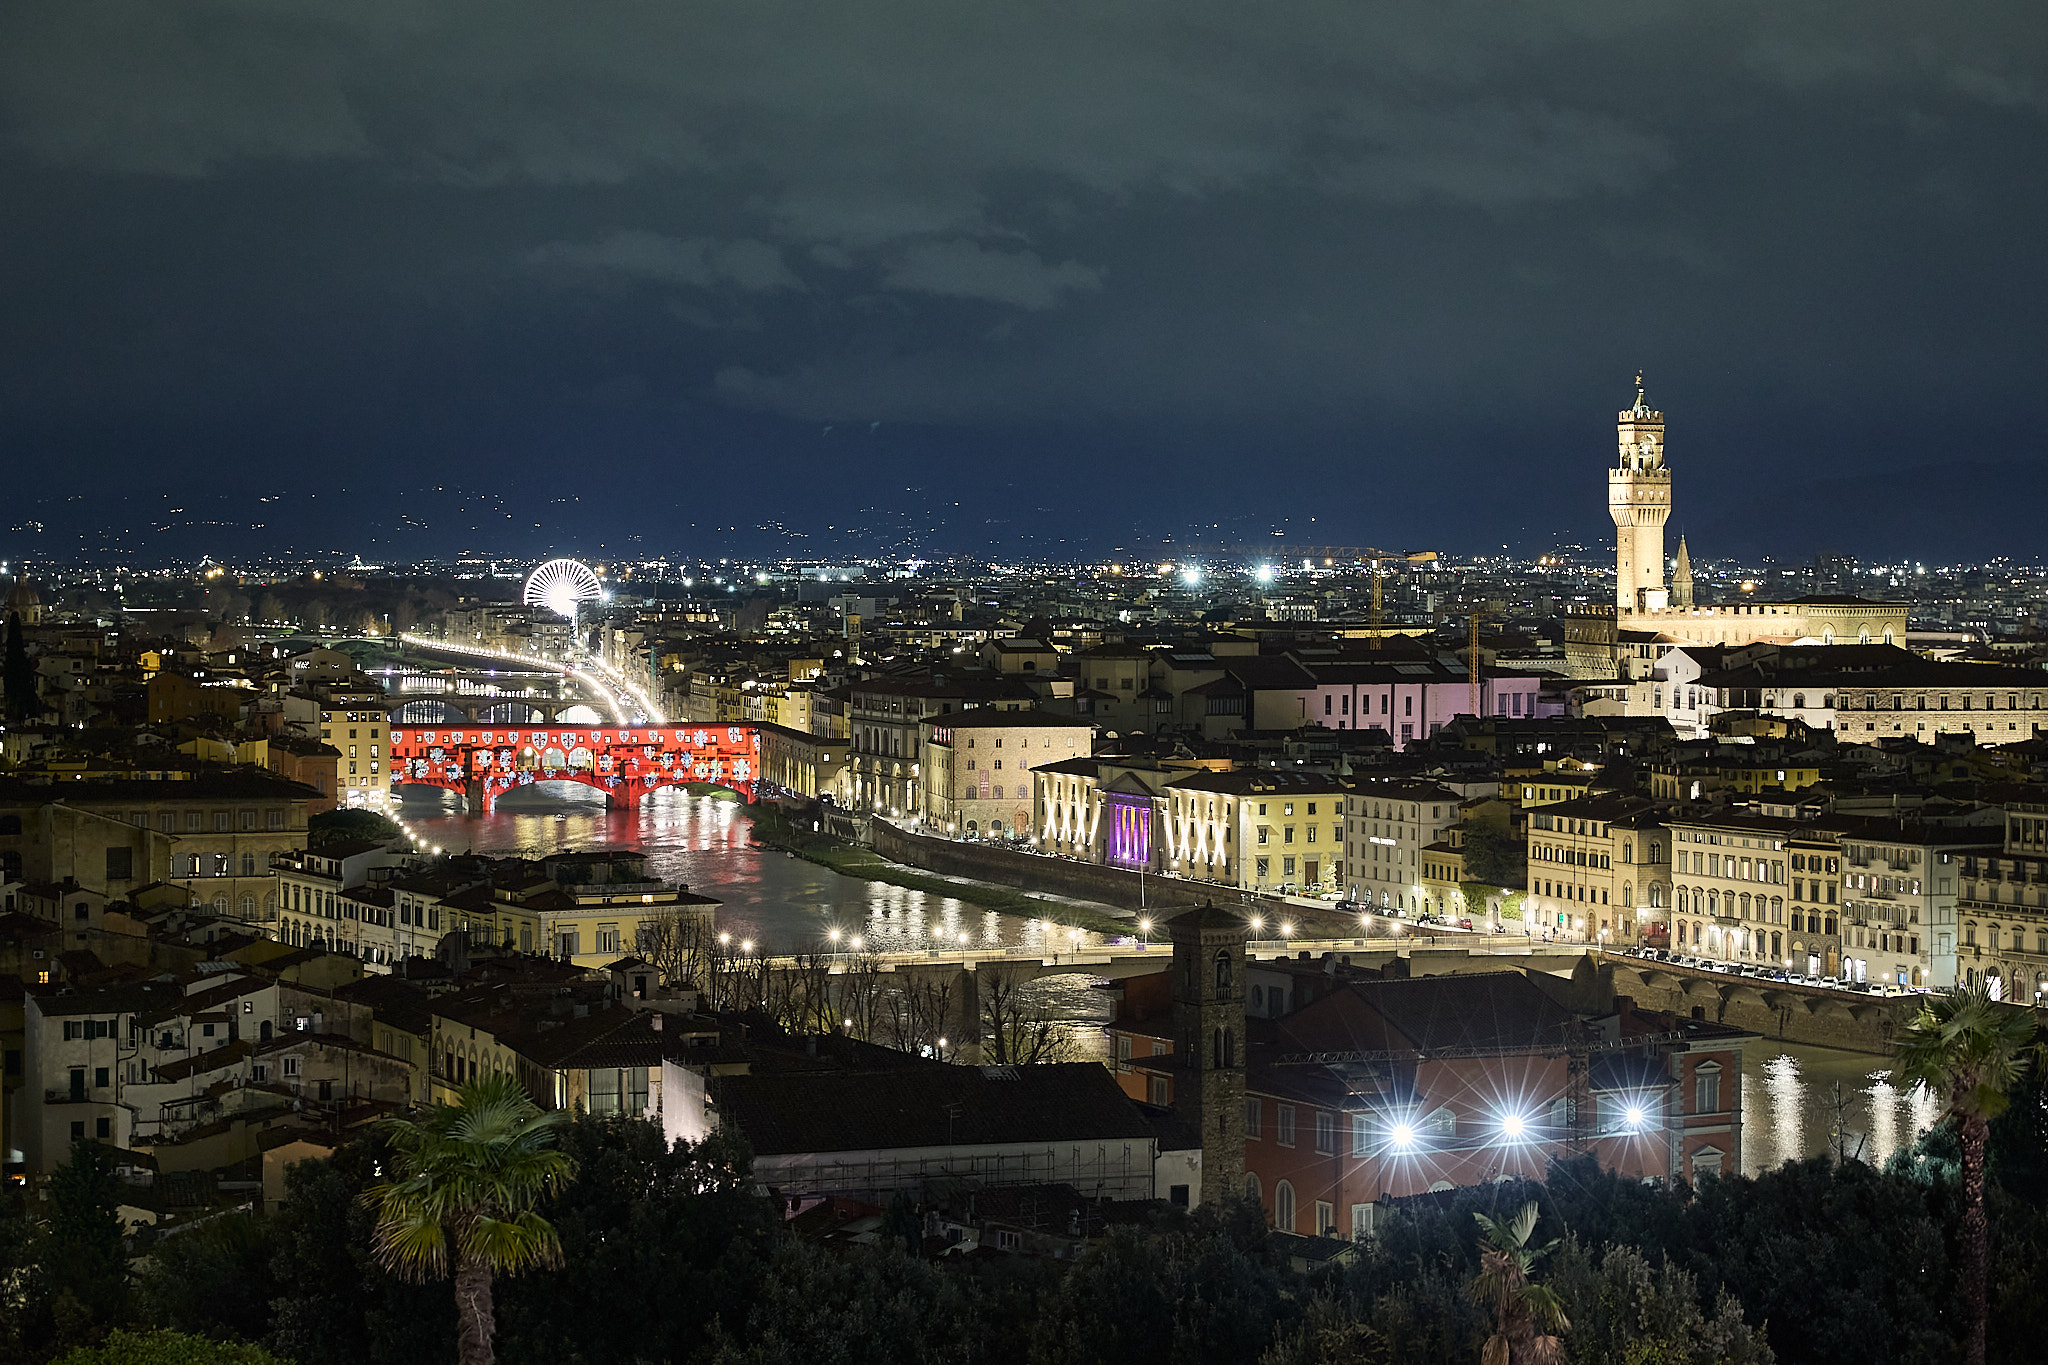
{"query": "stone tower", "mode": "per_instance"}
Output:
(1639, 500)
(1208, 1041)
(1681, 579)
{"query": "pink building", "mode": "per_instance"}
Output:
(1409, 699)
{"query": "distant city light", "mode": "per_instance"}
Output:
(1264, 573)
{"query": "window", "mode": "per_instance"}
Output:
(1326, 1132)
(1707, 1088)
(291, 1066)
(1283, 1124)
(1251, 1118)
(120, 864)
(1283, 1207)
(1361, 1135)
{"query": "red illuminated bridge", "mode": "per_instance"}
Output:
(626, 763)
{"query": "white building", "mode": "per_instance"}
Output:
(1386, 827)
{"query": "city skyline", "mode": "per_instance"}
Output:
(761, 269)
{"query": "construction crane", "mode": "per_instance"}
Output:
(1472, 658)
(1359, 554)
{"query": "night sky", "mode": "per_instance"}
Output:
(417, 278)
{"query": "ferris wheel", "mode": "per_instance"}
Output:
(561, 585)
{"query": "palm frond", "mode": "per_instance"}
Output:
(469, 1175)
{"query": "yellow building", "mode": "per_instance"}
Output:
(975, 767)
(1599, 870)
(358, 732)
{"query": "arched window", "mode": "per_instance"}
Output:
(1251, 1186)
(1283, 1206)
(1443, 1124)
(1225, 1049)
(1223, 971)
(1798, 701)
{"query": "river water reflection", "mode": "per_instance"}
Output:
(1795, 1098)
(785, 904)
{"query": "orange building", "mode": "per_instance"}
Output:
(1377, 1089)
(310, 761)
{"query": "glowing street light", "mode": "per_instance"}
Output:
(1402, 1136)
(1513, 1126)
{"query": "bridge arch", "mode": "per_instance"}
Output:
(429, 711)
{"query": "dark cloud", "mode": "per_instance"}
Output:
(1388, 265)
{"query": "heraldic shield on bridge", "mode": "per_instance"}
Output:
(626, 763)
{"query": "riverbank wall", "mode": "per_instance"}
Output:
(1111, 886)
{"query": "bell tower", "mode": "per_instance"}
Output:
(1208, 1041)
(1639, 500)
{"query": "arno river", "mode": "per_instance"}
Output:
(785, 904)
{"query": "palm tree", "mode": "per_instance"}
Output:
(467, 1178)
(1526, 1316)
(1969, 1051)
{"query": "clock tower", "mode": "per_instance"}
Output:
(1639, 500)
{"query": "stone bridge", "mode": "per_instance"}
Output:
(454, 708)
